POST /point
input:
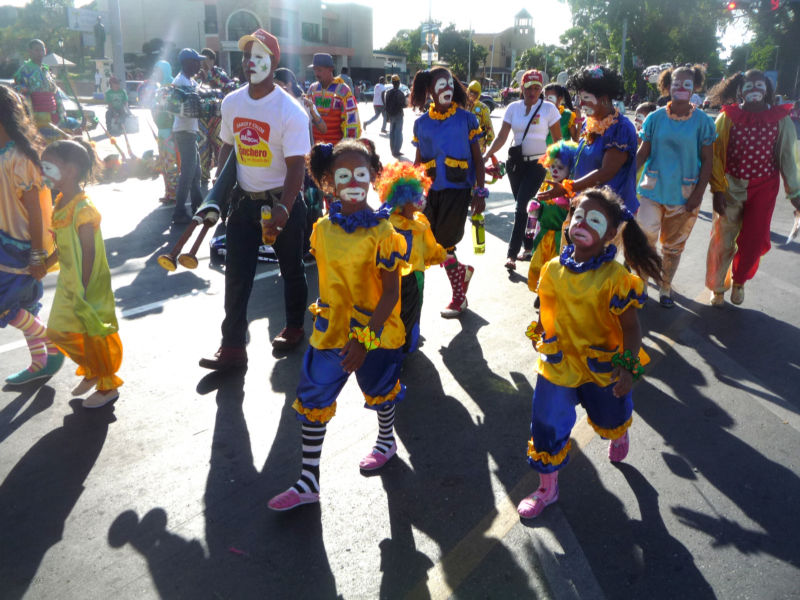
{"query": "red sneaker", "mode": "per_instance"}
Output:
(288, 338)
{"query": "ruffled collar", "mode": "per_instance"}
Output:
(7, 147)
(567, 259)
(773, 114)
(62, 217)
(675, 117)
(364, 218)
(436, 115)
(599, 126)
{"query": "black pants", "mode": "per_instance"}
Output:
(189, 178)
(525, 183)
(243, 237)
(411, 286)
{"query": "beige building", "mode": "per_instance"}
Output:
(303, 28)
(505, 48)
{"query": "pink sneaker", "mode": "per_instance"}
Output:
(618, 448)
(547, 494)
(291, 498)
(375, 459)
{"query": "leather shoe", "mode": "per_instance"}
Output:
(226, 358)
(288, 338)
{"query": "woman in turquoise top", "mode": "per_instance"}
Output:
(676, 152)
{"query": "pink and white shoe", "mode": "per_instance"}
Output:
(618, 448)
(468, 273)
(376, 459)
(452, 310)
(533, 505)
(291, 498)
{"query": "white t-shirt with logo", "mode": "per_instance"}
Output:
(377, 98)
(263, 133)
(185, 123)
(535, 142)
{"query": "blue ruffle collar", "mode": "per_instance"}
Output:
(364, 218)
(595, 262)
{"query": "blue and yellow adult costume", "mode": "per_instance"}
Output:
(351, 251)
(580, 308)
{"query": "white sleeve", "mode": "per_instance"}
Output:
(555, 116)
(510, 113)
(226, 127)
(295, 138)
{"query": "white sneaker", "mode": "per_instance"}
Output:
(100, 398)
(717, 299)
(84, 386)
(737, 294)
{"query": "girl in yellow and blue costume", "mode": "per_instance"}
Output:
(588, 338)
(402, 188)
(357, 325)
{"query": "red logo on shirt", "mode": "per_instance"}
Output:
(248, 137)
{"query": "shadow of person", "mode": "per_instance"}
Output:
(140, 241)
(445, 491)
(41, 490)
(12, 419)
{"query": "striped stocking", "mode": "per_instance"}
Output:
(33, 329)
(385, 429)
(313, 436)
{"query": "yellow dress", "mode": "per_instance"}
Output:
(425, 250)
(580, 317)
(350, 265)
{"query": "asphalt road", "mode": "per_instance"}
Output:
(163, 494)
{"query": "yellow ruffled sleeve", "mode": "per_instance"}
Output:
(391, 250)
(628, 290)
(433, 252)
(88, 214)
(26, 175)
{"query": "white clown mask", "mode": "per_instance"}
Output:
(259, 65)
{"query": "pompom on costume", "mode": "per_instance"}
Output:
(752, 152)
(402, 183)
(551, 213)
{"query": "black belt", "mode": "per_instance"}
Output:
(265, 195)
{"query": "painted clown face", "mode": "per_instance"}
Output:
(552, 98)
(558, 170)
(257, 63)
(754, 91)
(588, 103)
(443, 90)
(351, 178)
(638, 120)
(51, 172)
(589, 228)
(681, 87)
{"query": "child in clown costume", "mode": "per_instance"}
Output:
(401, 187)
(588, 338)
(357, 325)
(755, 147)
(559, 159)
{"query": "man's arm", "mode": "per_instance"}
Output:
(292, 182)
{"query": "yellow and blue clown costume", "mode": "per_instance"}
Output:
(579, 316)
(400, 184)
(351, 251)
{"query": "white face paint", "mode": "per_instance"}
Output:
(754, 91)
(443, 88)
(558, 170)
(420, 203)
(553, 99)
(581, 219)
(352, 186)
(52, 174)
(681, 89)
(638, 120)
(259, 65)
(588, 103)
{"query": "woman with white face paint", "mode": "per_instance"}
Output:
(755, 148)
(607, 148)
(676, 157)
(447, 140)
(559, 96)
(357, 323)
(530, 120)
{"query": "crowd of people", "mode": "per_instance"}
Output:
(585, 180)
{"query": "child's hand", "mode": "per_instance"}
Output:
(624, 383)
(38, 271)
(353, 355)
(720, 204)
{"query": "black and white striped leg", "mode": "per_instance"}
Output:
(313, 436)
(385, 429)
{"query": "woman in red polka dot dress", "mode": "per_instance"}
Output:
(754, 148)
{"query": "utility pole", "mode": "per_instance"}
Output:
(469, 54)
(624, 39)
(117, 56)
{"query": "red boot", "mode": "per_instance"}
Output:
(455, 273)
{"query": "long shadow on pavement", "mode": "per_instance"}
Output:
(12, 419)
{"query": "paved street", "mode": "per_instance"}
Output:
(163, 494)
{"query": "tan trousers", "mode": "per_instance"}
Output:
(671, 225)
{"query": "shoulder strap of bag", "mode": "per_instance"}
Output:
(536, 112)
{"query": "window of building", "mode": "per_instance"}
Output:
(211, 19)
(280, 27)
(242, 23)
(310, 32)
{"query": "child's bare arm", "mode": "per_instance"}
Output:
(86, 237)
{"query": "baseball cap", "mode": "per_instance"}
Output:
(189, 54)
(268, 41)
(321, 59)
(395, 77)
(532, 77)
(474, 86)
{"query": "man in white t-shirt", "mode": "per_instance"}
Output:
(185, 131)
(268, 131)
(377, 103)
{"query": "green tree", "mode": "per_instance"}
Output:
(454, 49)
(547, 58)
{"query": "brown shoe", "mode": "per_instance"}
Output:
(226, 358)
(288, 338)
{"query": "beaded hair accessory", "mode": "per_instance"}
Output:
(326, 150)
(626, 214)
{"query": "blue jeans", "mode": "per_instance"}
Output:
(189, 179)
(396, 133)
(379, 111)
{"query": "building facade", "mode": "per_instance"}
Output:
(505, 48)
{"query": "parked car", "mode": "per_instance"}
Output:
(490, 102)
(367, 94)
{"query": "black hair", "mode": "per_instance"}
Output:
(646, 108)
(729, 90)
(639, 253)
(381, 79)
(36, 42)
(697, 72)
(209, 53)
(597, 80)
(76, 152)
(322, 157)
(345, 70)
(423, 81)
(18, 126)
(562, 93)
(286, 76)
